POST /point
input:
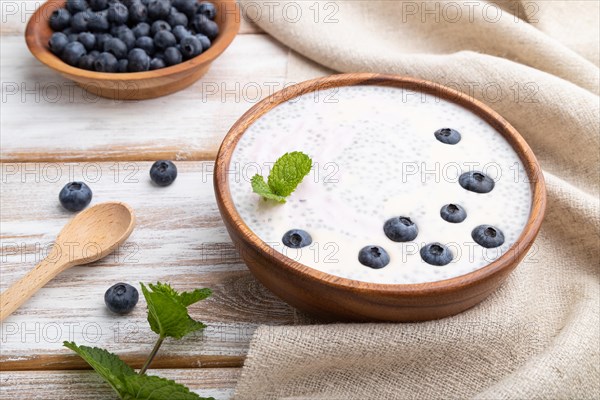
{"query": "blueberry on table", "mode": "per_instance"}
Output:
(121, 298)
(141, 29)
(476, 181)
(138, 12)
(436, 254)
(164, 39)
(116, 47)
(106, 62)
(157, 63)
(373, 257)
(207, 9)
(453, 213)
(172, 56)
(159, 9)
(296, 238)
(75, 6)
(205, 26)
(88, 40)
(72, 52)
(138, 61)
(60, 19)
(117, 13)
(447, 135)
(57, 42)
(400, 229)
(488, 236)
(75, 196)
(190, 47)
(163, 172)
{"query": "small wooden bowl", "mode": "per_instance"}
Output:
(133, 85)
(332, 297)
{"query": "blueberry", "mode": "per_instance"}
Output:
(204, 40)
(447, 135)
(400, 229)
(117, 13)
(98, 5)
(116, 30)
(116, 47)
(157, 63)
(476, 181)
(453, 213)
(163, 172)
(205, 26)
(172, 56)
(106, 62)
(101, 38)
(296, 238)
(436, 254)
(72, 52)
(177, 19)
(188, 7)
(207, 9)
(72, 37)
(159, 9)
(373, 257)
(87, 62)
(141, 29)
(158, 26)
(88, 40)
(180, 32)
(79, 21)
(60, 19)
(75, 196)
(138, 12)
(123, 65)
(127, 36)
(138, 61)
(121, 298)
(488, 236)
(98, 22)
(164, 39)
(145, 43)
(75, 6)
(57, 42)
(190, 47)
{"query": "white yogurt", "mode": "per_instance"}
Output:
(375, 157)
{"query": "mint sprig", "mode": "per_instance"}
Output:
(285, 176)
(168, 317)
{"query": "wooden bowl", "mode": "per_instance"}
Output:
(133, 85)
(332, 297)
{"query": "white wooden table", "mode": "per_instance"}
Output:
(52, 133)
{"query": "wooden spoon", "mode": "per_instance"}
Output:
(93, 234)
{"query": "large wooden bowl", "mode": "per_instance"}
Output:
(133, 85)
(332, 297)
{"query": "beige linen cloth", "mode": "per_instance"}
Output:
(538, 336)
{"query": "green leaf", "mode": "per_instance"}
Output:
(288, 171)
(259, 186)
(126, 383)
(167, 310)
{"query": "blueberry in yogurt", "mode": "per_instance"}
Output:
(296, 239)
(436, 254)
(453, 213)
(447, 135)
(488, 236)
(373, 257)
(400, 229)
(476, 181)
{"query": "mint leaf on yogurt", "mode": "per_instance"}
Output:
(285, 176)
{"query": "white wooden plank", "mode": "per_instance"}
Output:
(179, 238)
(86, 385)
(47, 117)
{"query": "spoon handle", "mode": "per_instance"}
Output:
(20, 291)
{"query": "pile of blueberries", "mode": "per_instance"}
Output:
(403, 229)
(131, 35)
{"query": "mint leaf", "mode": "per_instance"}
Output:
(126, 383)
(288, 172)
(260, 187)
(167, 310)
(285, 176)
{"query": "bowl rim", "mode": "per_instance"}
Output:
(228, 30)
(507, 261)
